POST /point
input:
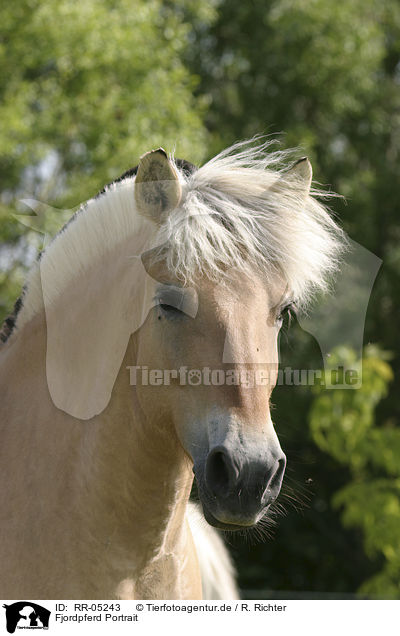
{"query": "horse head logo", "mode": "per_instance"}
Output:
(26, 614)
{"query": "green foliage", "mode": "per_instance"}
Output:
(341, 419)
(343, 424)
(98, 83)
(296, 61)
(85, 89)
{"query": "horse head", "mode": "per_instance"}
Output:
(214, 343)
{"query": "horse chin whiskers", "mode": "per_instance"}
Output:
(261, 531)
(295, 496)
(264, 529)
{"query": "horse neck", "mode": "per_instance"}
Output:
(141, 470)
(108, 495)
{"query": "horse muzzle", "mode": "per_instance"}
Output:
(235, 489)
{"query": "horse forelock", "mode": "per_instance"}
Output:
(242, 210)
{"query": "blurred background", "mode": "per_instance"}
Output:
(87, 87)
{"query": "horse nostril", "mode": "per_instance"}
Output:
(275, 482)
(221, 475)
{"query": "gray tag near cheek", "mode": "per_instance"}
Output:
(185, 300)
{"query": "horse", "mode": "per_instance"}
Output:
(172, 273)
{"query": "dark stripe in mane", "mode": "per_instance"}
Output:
(9, 323)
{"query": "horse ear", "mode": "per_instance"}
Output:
(157, 186)
(299, 176)
(302, 172)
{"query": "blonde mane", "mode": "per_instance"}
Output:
(238, 210)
